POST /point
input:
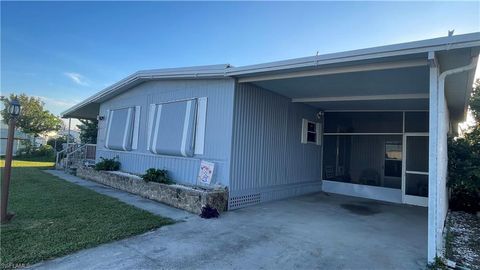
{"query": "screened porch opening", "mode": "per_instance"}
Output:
(374, 160)
(367, 148)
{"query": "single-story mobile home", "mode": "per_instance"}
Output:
(371, 123)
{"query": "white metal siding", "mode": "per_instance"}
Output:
(217, 134)
(268, 159)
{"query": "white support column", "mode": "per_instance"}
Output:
(438, 154)
(432, 170)
(441, 204)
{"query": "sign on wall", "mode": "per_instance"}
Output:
(206, 172)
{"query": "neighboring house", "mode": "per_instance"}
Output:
(371, 123)
(18, 142)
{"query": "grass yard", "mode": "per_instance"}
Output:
(55, 217)
(24, 163)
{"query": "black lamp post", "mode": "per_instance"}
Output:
(14, 111)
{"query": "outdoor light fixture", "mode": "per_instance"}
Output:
(14, 108)
(320, 115)
(14, 111)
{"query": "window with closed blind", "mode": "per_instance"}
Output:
(177, 128)
(122, 128)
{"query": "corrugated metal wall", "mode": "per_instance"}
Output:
(220, 93)
(268, 160)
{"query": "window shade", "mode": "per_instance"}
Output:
(120, 128)
(172, 128)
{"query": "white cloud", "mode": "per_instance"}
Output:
(57, 106)
(77, 78)
(63, 103)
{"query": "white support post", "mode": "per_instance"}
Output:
(438, 154)
(432, 170)
(68, 143)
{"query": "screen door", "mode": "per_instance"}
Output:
(415, 176)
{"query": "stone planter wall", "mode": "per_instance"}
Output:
(188, 198)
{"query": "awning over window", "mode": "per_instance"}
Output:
(171, 127)
(120, 129)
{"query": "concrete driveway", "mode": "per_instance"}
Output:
(320, 231)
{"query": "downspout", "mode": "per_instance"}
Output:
(440, 119)
(442, 77)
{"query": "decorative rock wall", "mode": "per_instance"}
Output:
(188, 198)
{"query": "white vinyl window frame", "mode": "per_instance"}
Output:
(158, 111)
(201, 125)
(151, 115)
(136, 127)
(317, 132)
(107, 128)
(125, 135)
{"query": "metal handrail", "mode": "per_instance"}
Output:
(64, 151)
(73, 152)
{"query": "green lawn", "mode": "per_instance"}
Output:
(55, 218)
(24, 163)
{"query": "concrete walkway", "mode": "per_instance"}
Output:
(128, 198)
(318, 231)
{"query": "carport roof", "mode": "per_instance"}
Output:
(404, 55)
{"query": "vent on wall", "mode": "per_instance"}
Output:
(245, 200)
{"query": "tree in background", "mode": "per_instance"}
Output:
(34, 119)
(57, 142)
(88, 131)
(464, 162)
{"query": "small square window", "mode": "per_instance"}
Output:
(311, 132)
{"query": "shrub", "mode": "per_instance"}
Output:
(156, 175)
(464, 162)
(30, 150)
(108, 164)
(463, 176)
(27, 149)
(45, 151)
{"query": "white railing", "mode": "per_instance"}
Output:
(61, 155)
(74, 155)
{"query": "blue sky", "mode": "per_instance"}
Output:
(64, 52)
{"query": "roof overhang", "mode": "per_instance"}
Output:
(402, 49)
(377, 67)
(394, 77)
(88, 109)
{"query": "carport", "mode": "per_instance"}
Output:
(385, 114)
(369, 123)
(317, 231)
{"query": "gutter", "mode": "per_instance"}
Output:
(226, 71)
(415, 47)
(443, 76)
(149, 75)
